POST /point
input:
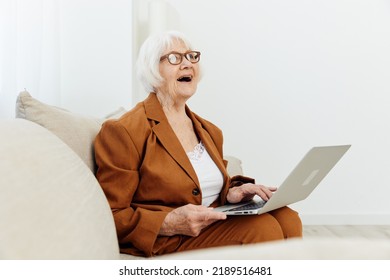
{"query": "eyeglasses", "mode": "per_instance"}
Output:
(176, 58)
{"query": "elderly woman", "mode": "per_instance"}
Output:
(162, 170)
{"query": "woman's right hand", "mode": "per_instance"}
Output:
(189, 220)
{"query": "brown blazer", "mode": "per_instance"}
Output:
(145, 173)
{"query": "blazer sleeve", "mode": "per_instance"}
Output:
(239, 180)
(118, 161)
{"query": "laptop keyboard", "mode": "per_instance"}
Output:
(250, 206)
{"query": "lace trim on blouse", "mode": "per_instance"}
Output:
(197, 153)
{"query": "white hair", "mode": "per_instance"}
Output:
(148, 70)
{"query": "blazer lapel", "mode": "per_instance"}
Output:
(209, 144)
(216, 157)
(165, 134)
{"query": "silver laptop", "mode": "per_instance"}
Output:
(305, 177)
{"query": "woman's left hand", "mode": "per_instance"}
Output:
(246, 192)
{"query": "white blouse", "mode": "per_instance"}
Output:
(209, 176)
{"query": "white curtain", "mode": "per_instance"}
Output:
(30, 51)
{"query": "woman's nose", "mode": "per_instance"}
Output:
(185, 63)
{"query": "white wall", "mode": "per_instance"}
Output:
(96, 58)
(29, 52)
(283, 76)
(76, 54)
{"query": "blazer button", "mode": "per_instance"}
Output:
(195, 192)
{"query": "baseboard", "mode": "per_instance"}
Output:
(323, 219)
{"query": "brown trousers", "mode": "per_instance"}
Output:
(236, 230)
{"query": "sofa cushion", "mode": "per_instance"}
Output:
(76, 130)
(51, 205)
(234, 166)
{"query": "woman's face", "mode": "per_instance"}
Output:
(179, 81)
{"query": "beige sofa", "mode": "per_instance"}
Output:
(52, 207)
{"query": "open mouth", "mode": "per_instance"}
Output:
(185, 79)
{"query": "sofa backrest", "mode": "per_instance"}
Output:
(51, 205)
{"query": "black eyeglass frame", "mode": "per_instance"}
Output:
(181, 57)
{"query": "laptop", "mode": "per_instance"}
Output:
(304, 178)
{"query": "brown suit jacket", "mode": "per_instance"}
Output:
(145, 173)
